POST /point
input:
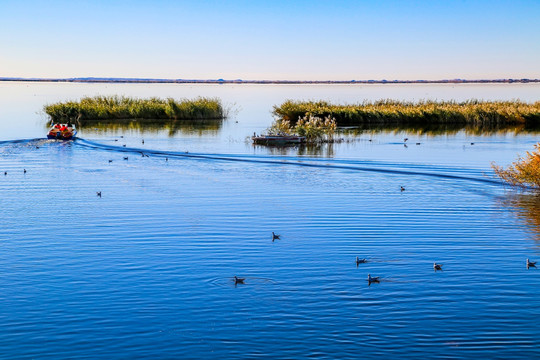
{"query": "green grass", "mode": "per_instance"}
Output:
(111, 108)
(472, 113)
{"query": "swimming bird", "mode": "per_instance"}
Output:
(402, 189)
(417, 143)
(405, 140)
(275, 236)
(531, 263)
(371, 279)
(238, 280)
(5, 172)
(24, 171)
(126, 158)
(472, 143)
(110, 161)
(143, 141)
(166, 159)
(437, 266)
(124, 145)
(115, 139)
(360, 261)
(98, 193)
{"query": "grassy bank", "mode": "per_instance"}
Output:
(423, 113)
(110, 108)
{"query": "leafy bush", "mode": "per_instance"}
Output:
(523, 172)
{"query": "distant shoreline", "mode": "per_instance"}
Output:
(281, 82)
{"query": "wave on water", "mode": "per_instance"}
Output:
(365, 166)
(23, 141)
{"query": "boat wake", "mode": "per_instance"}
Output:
(343, 164)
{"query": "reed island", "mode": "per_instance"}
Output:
(422, 113)
(115, 109)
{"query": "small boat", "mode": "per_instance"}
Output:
(278, 139)
(62, 131)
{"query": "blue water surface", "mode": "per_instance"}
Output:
(146, 270)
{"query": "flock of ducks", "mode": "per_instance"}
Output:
(377, 279)
(370, 279)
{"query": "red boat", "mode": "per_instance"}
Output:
(62, 132)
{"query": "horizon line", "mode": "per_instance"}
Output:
(241, 81)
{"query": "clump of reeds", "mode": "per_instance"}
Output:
(312, 127)
(107, 108)
(524, 172)
(421, 113)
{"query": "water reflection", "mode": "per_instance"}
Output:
(190, 127)
(527, 208)
(318, 150)
(442, 129)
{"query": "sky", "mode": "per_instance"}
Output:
(274, 39)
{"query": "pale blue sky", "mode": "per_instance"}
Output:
(290, 40)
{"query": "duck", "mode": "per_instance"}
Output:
(238, 280)
(24, 171)
(531, 263)
(371, 279)
(166, 159)
(402, 189)
(437, 266)
(360, 261)
(275, 236)
(98, 193)
(126, 158)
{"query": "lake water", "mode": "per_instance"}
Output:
(146, 271)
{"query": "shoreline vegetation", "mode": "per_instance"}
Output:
(314, 129)
(524, 172)
(426, 113)
(116, 109)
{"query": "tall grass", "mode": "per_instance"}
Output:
(108, 108)
(421, 113)
(313, 128)
(524, 172)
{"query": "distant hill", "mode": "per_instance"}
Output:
(240, 81)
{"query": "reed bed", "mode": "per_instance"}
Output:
(110, 108)
(476, 113)
(524, 172)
